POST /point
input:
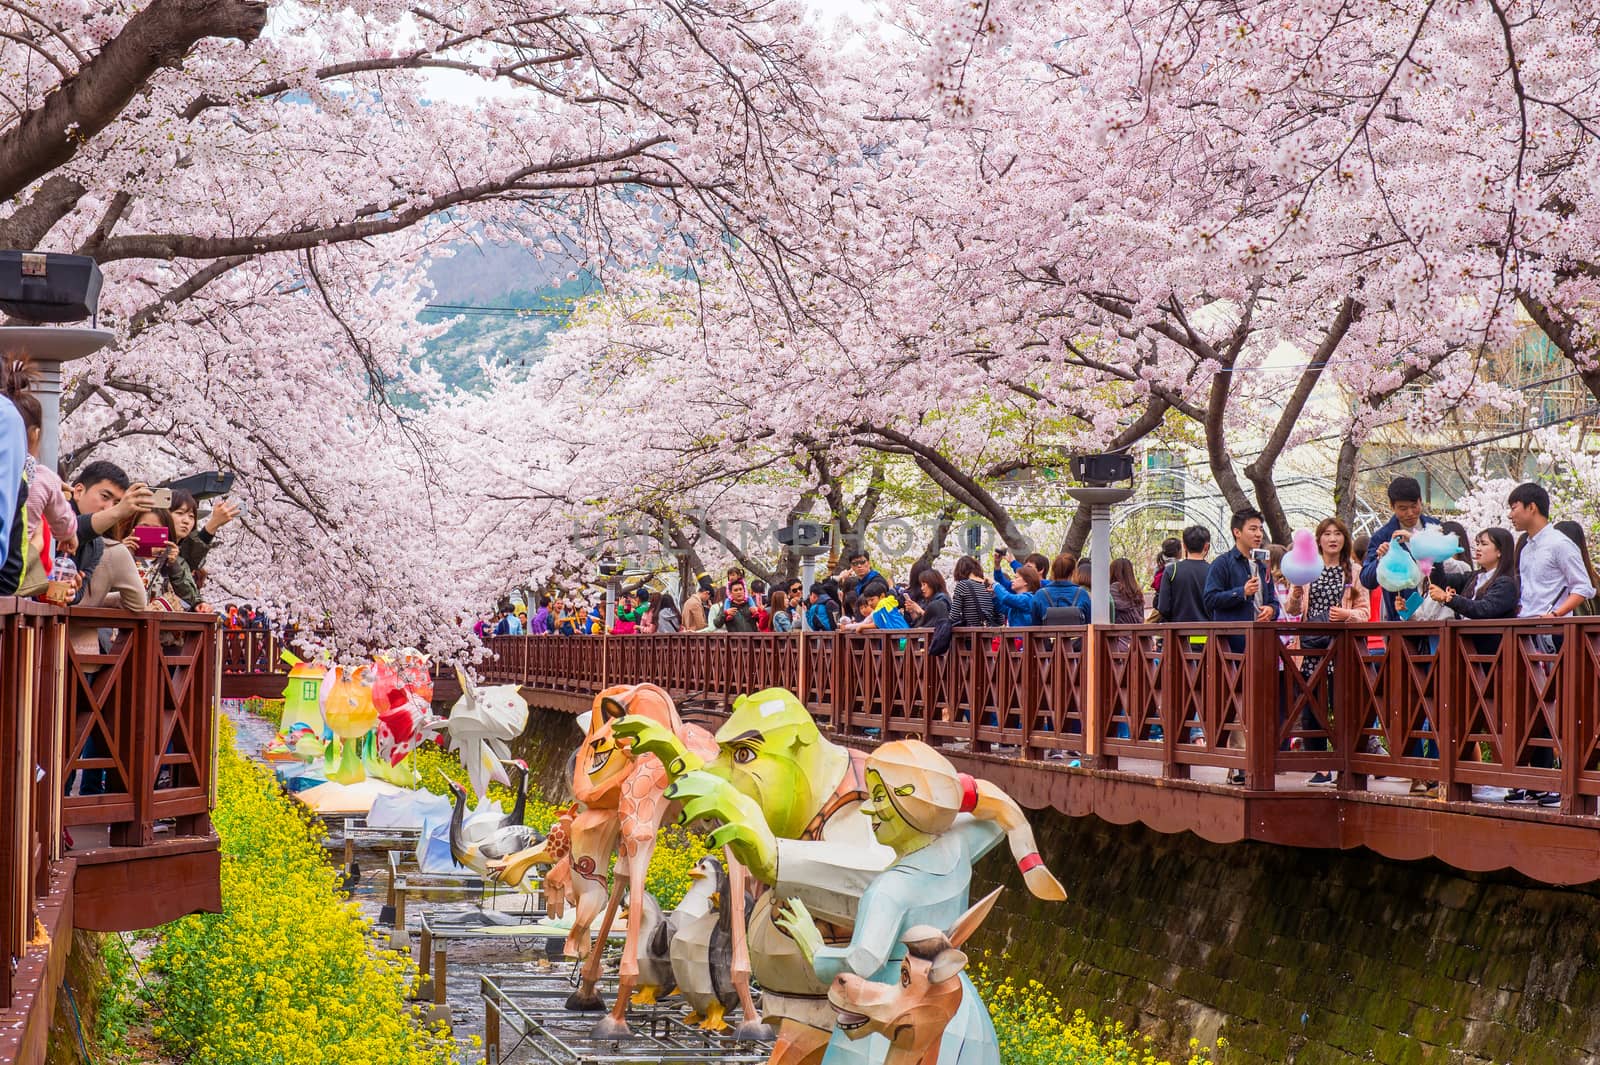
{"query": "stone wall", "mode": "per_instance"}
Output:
(1305, 956)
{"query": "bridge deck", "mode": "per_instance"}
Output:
(1156, 716)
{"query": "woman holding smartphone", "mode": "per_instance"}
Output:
(169, 583)
(1336, 596)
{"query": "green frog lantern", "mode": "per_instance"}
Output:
(866, 847)
(790, 804)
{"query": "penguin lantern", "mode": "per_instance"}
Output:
(656, 978)
(702, 960)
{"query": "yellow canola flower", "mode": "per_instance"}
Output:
(286, 974)
(1031, 1030)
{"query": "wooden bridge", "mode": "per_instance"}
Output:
(252, 667)
(108, 735)
(1143, 723)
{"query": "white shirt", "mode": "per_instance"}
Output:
(1550, 569)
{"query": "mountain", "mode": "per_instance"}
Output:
(507, 302)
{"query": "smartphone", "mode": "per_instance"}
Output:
(152, 538)
(161, 498)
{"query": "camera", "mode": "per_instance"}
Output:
(610, 568)
(1101, 469)
(49, 286)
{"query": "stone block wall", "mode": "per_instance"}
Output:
(1305, 956)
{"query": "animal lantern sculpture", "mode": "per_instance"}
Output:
(348, 710)
(623, 802)
(496, 840)
(938, 822)
(482, 724)
(701, 951)
(555, 851)
(787, 799)
(913, 1013)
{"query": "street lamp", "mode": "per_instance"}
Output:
(808, 539)
(40, 287)
(1098, 476)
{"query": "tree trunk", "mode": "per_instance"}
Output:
(1261, 469)
(937, 539)
(1078, 531)
(960, 486)
(81, 106)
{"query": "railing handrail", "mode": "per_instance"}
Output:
(153, 697)
(1455, 701)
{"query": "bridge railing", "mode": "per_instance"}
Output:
(109, 720)
(1509, 704)
(247, 651)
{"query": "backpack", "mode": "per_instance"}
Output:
(1063, 615)
(818, 618)
(1061, 612)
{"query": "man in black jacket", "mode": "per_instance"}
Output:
(739, 615)
(1183, 583)
(103, 499)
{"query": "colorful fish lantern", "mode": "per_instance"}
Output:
(402, 728)
(347, 707)
(415, 674)
(388, 690)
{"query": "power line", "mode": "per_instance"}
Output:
(1586, 412)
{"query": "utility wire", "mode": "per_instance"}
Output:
(1586, 412)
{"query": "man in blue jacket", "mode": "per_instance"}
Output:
(1405, 500)
(1237, 587)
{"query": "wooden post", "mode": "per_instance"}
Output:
(800, 668)
(1172, 702)
(1261, 706)
(491, 1029)
(1093, 704)
(399, 938)
(1573, 745)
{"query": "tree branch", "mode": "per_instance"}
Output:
(81, 106)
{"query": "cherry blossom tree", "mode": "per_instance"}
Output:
(265, 185)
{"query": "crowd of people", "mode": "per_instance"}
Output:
(1499, 573)
(1535, 569)
(100, 538)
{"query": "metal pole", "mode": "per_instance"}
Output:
(1100, 563)
(47, 389)
(808, 568)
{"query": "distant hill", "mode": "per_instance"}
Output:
(507, 302)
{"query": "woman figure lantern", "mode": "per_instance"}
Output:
(938, 822)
